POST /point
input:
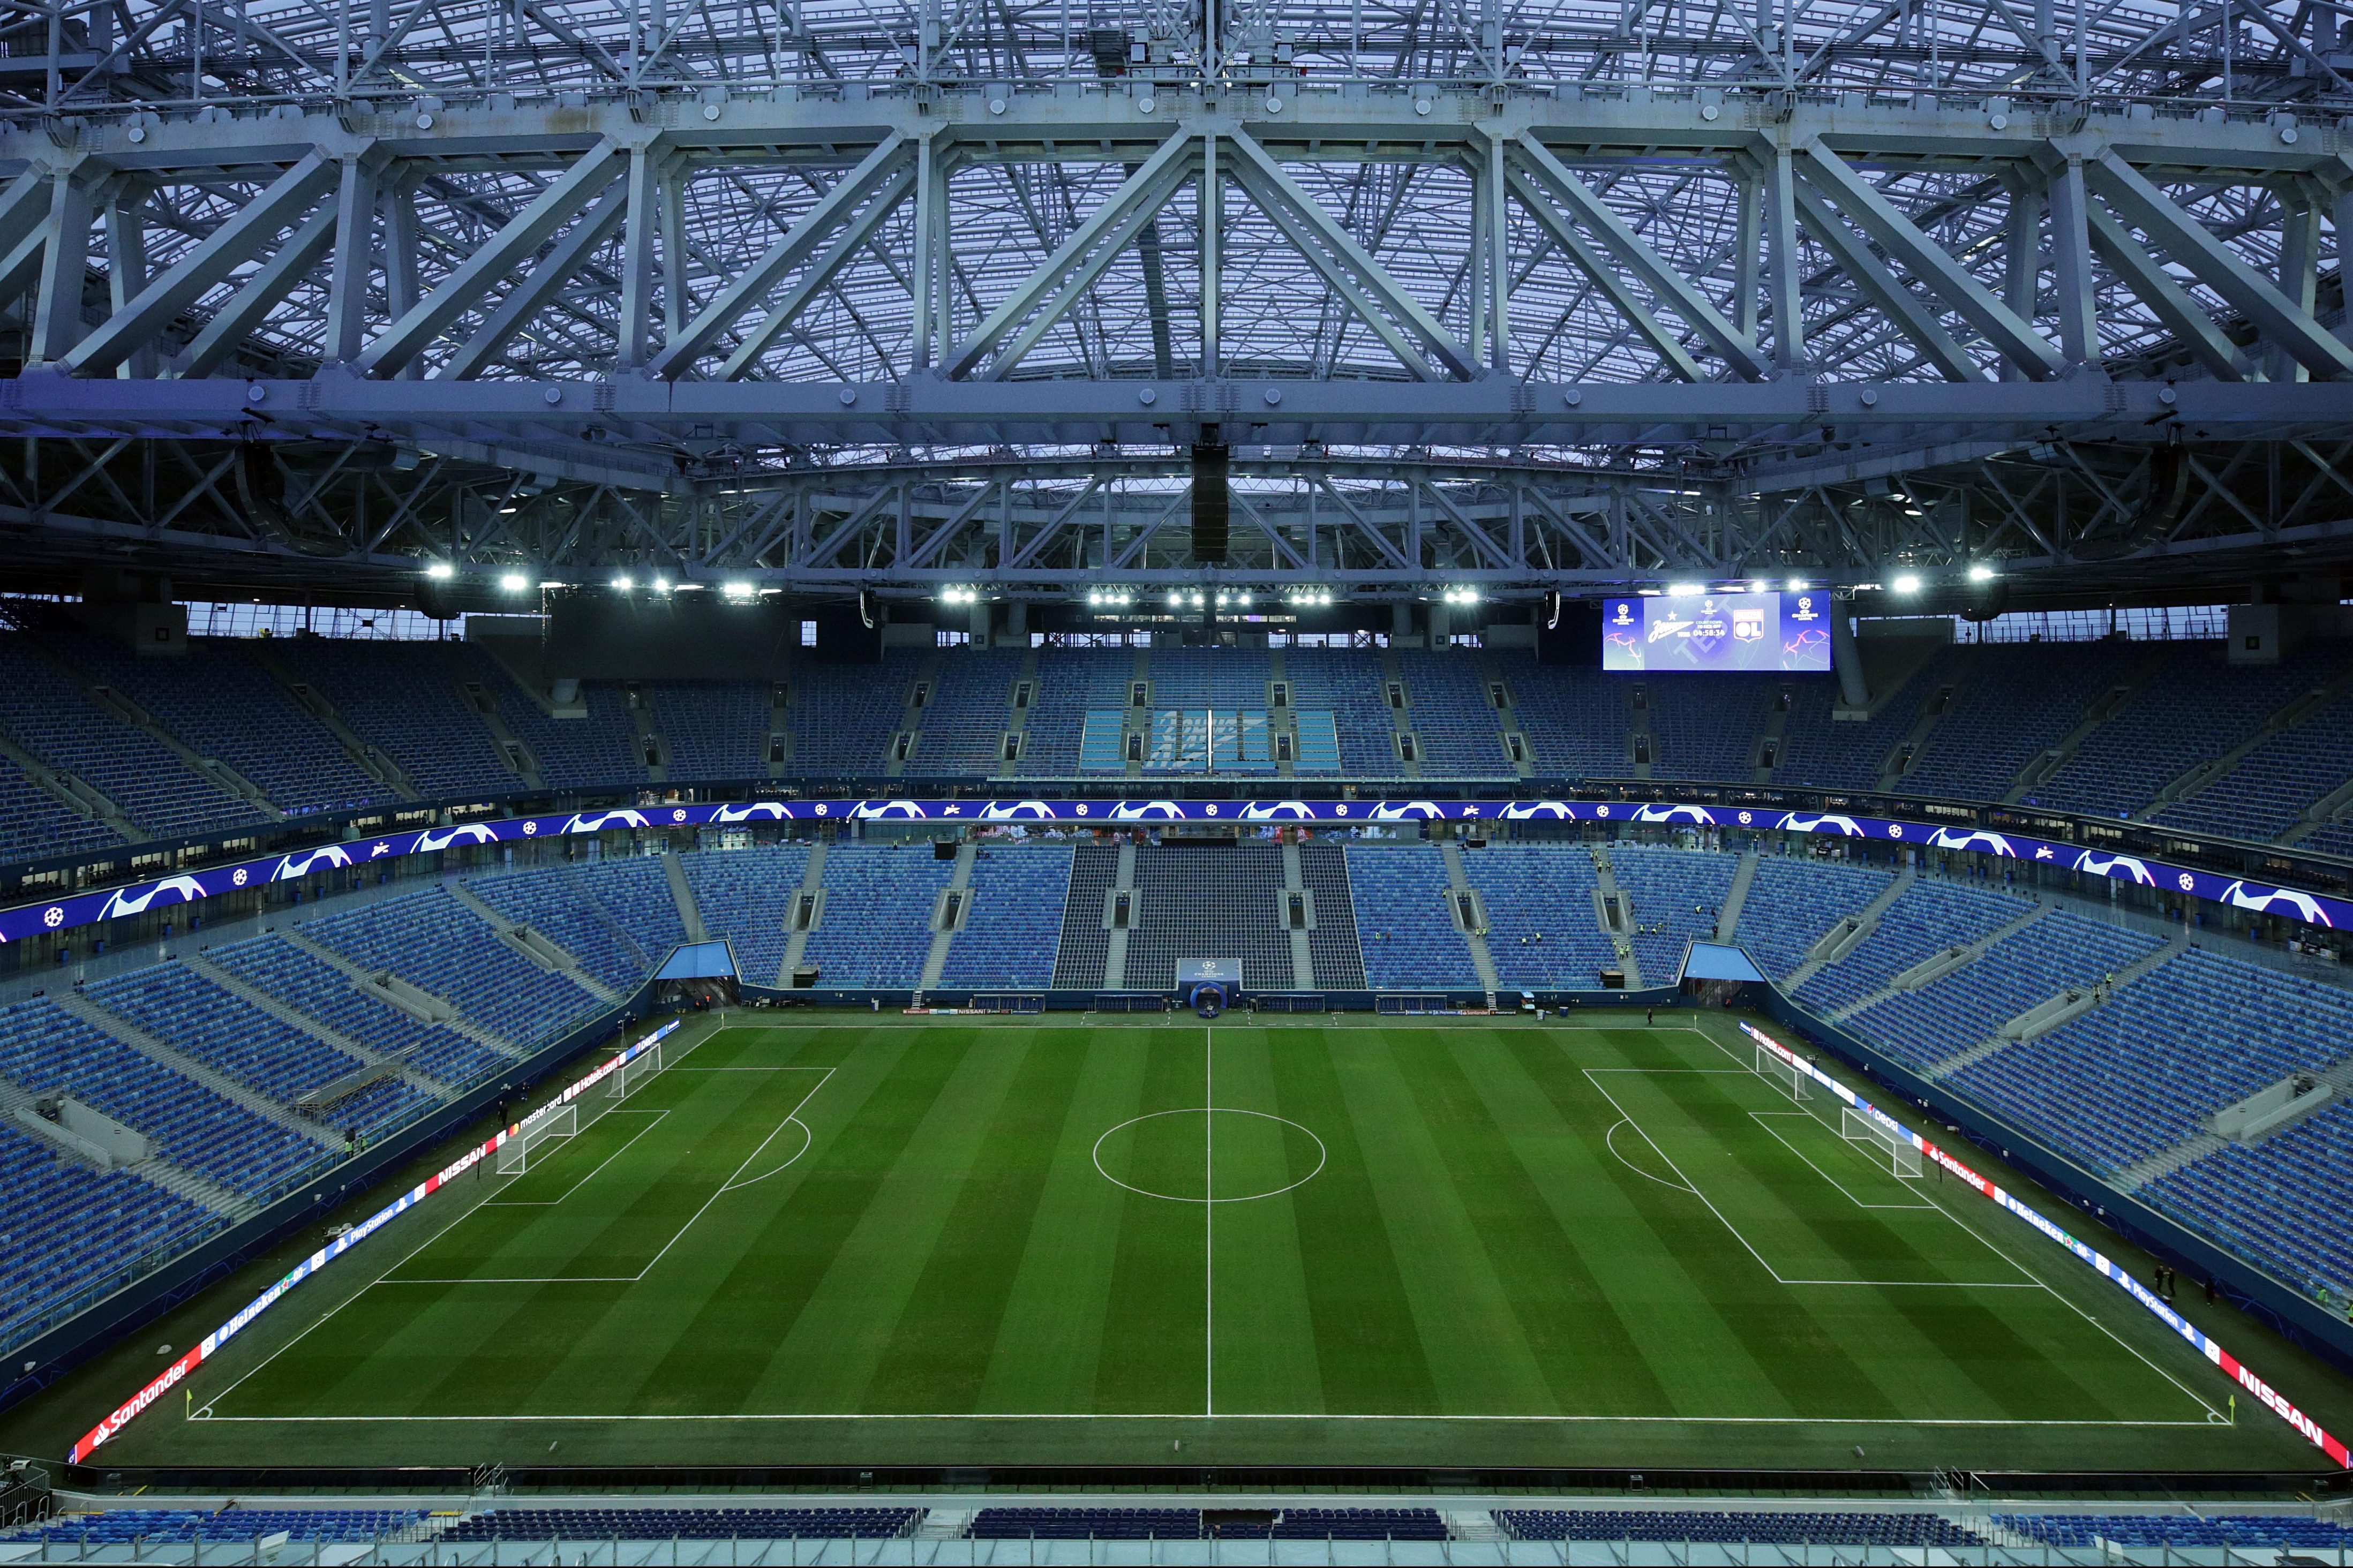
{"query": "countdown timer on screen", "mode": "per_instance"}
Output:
(1718, 631)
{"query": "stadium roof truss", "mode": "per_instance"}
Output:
(1546, 294)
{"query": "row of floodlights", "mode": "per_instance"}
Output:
(518, 583)
(1903, 583)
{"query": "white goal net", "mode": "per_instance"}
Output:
(548, 1125)
(1787, 1076)
(1880, 1143)
(636, 1070)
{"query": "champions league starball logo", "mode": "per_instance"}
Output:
(129, 902)
(1698, 813)
(1797, 822)
(434, 838)
(2276, 900)
(1017, 811)
(2123, 867)
(1521, 811)
(890, 810)
(293, 865)
(767, 810)
(596, 822)
(1984, 843)
(1147, 811)
(1278, 811)
(1404, 810)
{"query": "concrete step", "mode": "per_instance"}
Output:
(531, 943)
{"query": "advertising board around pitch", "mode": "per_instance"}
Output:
(1737, 632)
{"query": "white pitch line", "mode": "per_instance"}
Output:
(1762, 1118)
(791, 1119)
(2213, 1414)
(1592, 1074)
(584, 1180)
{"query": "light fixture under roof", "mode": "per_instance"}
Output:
(1907, 583)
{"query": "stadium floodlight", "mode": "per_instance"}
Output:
(1981, 572)
(1797, 584)
(440, 571)
(623, 584)
(1245, 601)
(1198, 601)
(661, 585)
(1685, 590)
(1758, 585)
(514, 581)
(737, 591)
(1909, 582)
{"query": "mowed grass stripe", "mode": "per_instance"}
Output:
(1368, 1353)
(1712, 1342)
(1049, 1346)
(1155, 1321)
(1525, 1177)
(719, 1331)
(938, 1354)
(1479, 1360)
(828, 1357)
(1265, 1342)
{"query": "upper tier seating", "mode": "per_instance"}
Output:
(220, 703)
(1290, 1524)
(1542, 930)
(1070, 685)
(843, 718)
(2056, 954)
(877, 926)
(713, 730)
(65, 1227)
(1222, 679)
(1792, 904)
(402, 698)
(572, 753)
(1408, 940)
(44, 1048)
(1351, 687)
(259, 1050)
(277, 967)
(1576, 719)
(746, 898)
(962, 727)
(35, 825)
(2013, 701)
(431, 709)
(1209, 903)
(1452, 717)
(46, 714)
(1820, 753)
(2273, 784)
(1704, 726)
(1928, 917)
(2195, 706)
(1014, 926)
(1680, 891)
(431, 940)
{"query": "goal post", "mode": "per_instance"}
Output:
(631, 1074)
(550, 1124)
(1880, 1143)
(1785, 1075)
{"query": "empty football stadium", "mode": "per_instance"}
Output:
(1523, 783)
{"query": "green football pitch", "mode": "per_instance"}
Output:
(945, 1241)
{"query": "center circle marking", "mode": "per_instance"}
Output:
(1322, 1155)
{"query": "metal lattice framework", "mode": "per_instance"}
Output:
(827, 295)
